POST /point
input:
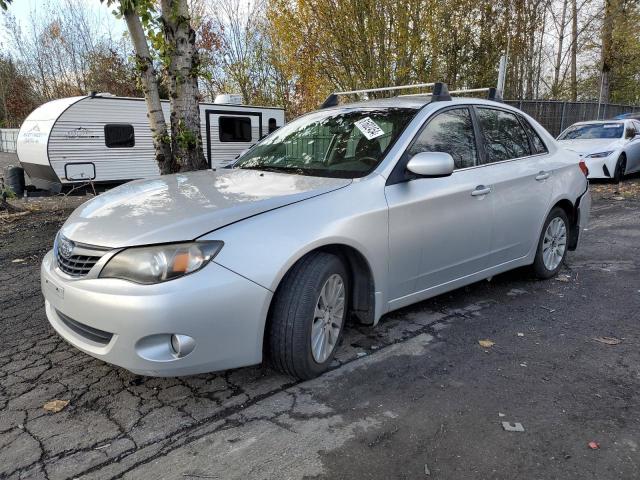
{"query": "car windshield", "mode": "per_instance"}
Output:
(344, 143)
(593, 130)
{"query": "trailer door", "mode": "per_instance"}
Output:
(229, 133)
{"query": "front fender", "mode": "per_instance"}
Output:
(263, 248)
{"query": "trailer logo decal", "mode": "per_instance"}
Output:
(80, 132)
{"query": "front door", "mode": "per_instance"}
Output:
(439, 228)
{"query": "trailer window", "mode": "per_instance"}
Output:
(273, 125)
(119, 135)
(235, 129)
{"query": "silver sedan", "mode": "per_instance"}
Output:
(345, 214)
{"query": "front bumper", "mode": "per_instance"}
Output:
(222, 311)
(601, 167)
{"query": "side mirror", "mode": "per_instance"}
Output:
(431, 164)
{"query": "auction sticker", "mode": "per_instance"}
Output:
(369, 128)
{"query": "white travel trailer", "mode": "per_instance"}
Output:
(104, 138)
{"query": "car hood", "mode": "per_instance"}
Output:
(185, 206)
(594, 145)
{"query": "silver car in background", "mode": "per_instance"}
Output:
(610, 148)
(346, 213)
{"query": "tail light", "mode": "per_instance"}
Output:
(584, 168)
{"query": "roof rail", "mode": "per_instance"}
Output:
(332, 99)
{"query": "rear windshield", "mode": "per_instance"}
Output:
(591, 131)
(345, 144)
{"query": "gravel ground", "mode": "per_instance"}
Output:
(415, 394)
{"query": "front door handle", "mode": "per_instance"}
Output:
(542, 175)
(480, 190)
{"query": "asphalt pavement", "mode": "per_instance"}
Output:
(415, 397)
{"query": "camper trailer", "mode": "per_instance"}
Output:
(103, 138)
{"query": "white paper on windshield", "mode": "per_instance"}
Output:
(369, 128)
(614, 125)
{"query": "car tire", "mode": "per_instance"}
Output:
(299, 316)
(552, 244)
(621, 166)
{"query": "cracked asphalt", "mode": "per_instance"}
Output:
(414, 397)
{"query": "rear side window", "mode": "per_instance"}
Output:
(235, 129)
(537, 145)
(119, 135)
(504, 137)
(450, 132)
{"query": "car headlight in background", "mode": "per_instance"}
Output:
(160, 263)
(599, 154)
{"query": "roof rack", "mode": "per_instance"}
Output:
(440, 93)
(492, 93)
(332, 99)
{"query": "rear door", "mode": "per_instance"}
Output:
(228, 133)
(439, 228)
(518, 169)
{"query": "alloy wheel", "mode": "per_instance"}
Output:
(554, 243)
(328, 318)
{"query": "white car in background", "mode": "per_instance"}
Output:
(610, 148)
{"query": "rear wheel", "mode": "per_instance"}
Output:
(552, 245)
(621, 166)
(308, 314)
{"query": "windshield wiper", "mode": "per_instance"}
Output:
(265, 168)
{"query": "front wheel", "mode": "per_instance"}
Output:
(621, 166)
(552, 245)
(308, 314)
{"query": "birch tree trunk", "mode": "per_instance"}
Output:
(183, 67)
(149, 82)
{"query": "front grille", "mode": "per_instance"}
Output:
(79, 259)
(77, 265)
(94, 334)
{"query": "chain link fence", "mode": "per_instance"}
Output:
(556, 115)
(8, 139)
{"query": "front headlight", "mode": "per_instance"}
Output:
(160, 263)
(599, 154)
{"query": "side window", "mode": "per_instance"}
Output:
(119, 135)
(235, 129)
(504, 137)
(451, 132)
(631, 130)
(637, 125)
(537, 144)
(273, 125)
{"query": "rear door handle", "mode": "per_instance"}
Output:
(480, 190)
(542, 176)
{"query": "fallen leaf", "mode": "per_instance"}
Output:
(17, 260)
(608, 340)
(594, 445)
(55, 406)
(563, 278)
(520, 334)
(486, 343)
